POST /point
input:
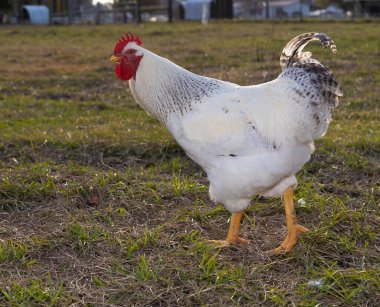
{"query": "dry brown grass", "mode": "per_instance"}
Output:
(99, 206)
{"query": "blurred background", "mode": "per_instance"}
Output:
(122, 11)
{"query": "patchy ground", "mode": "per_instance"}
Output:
(99, 206)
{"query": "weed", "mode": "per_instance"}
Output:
(11, 250)
(144, 272)
(33, 294)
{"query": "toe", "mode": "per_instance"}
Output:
(289, 242)
(226, 243)
(219, 243)
(301, 229)
(242, 241)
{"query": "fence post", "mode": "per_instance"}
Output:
(50, 6)
(170, 11)
(97, 18)
(125, 14)
(71, 11)
(16, 10)
(300, 12)
(138, 11)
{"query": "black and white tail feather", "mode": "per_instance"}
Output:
(292, 53)
(316, 85)
(320, 76)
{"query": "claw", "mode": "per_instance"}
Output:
(289, 242)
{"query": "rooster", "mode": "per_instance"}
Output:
(250, 140)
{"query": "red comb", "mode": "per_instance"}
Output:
(123, 41)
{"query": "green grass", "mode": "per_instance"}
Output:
(99, 206)
(34, 294)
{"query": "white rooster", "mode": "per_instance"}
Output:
(250, 140)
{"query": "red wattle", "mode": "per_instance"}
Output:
(124, 71)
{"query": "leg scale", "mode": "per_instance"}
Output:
(233, 233)
(294, 229)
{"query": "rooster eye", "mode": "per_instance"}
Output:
(130, 51)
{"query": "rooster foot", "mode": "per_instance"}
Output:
(227, 243)
(290, 240)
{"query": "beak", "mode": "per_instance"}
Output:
(115, 59)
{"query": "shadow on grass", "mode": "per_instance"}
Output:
(94, 154)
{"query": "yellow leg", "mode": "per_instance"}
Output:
(294, 229)
(233, 233)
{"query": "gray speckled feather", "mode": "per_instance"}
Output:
(317, 84)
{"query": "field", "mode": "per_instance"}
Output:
(99, 206)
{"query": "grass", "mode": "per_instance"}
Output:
(99, 206)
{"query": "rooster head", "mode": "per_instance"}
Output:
(127, 55)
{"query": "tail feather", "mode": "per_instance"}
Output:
(292, 53)
(312, 82)
(321, 78)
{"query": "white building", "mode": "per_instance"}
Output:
(274, 9)
(287, 9)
